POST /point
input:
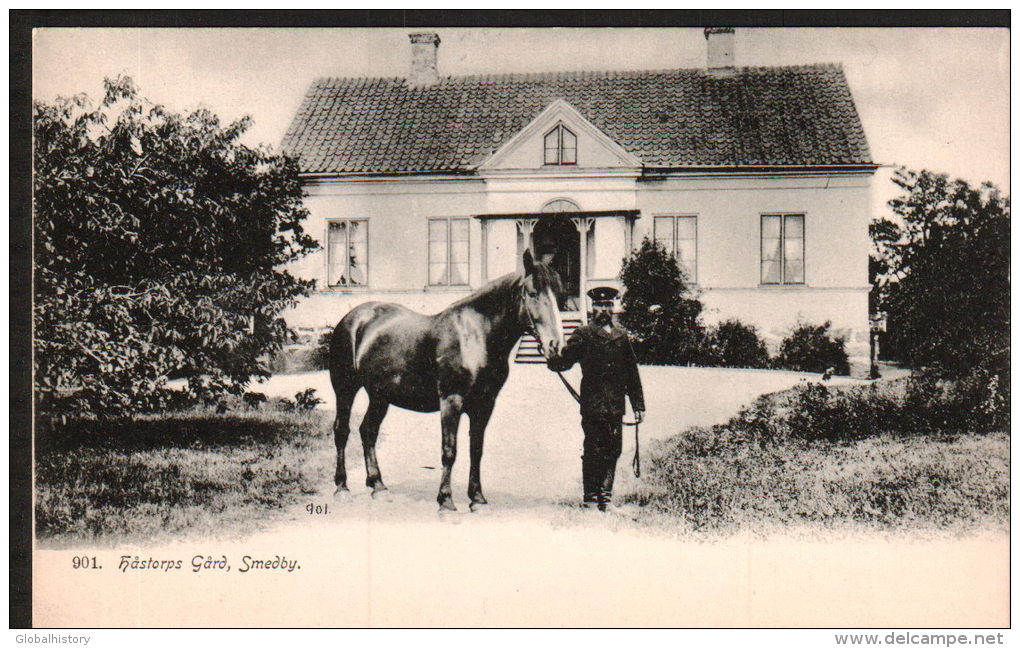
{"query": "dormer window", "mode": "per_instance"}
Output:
(560, 146)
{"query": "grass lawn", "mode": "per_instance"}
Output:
(766, 469)
(194, 472)
(912, 483)
(847, 457)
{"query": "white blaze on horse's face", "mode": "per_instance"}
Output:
(541, 305)
(545, 317)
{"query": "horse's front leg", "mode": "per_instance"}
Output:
(450, 409)
(479, 415)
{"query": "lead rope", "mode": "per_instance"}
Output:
(636, 461)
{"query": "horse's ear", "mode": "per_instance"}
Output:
(529, 262)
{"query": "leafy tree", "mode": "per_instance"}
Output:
(157, 242)
(943, 273)
(659, 309)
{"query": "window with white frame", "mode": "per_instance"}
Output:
(347, 253)
(448, 251)
(679, 235)
(782, 248)
(560, 146)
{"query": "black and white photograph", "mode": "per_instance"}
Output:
(592, 327)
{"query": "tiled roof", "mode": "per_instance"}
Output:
(798, 115)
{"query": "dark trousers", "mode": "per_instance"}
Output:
(603, 442)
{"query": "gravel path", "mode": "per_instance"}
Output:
(533, 442)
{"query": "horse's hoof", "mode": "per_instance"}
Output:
(479, 506)
(446, 506)
(342, 495)
(382, 495)
(447, 516)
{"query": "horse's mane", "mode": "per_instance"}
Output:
(504, 290)
(545, 277)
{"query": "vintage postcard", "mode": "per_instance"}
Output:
(461, 327)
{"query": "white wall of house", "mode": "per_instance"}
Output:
(836, 211)
(501, 254)
(610, 247)
(592, 191)
(397, 212)
(728, 210)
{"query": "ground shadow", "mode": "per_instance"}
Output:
(191, 431)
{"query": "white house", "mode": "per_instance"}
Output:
(421, 189)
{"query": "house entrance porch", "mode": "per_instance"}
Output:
(557, 241)
(585, 247)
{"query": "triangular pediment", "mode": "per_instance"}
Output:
(526, 149)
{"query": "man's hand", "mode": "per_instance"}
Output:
(639, 416)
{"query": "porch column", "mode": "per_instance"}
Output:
(526, 226)
(583, 224)
(628, 236)
(484, 223)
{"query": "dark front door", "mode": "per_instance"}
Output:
(557, 242)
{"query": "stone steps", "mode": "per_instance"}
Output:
(528, 351)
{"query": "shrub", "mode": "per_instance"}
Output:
(926, 404)
(254, 399)
(978, 401)
(735, 344)
(304, 355)
(659, 308)
(843, 414)
(319, 358)
(812, 348)
(306, 400)
(985, 394)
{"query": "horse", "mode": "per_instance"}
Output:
(455, 361)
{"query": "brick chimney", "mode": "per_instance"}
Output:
(424, 46)
(720, 50)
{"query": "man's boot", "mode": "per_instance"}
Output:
(605, 487)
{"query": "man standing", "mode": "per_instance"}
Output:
(609, 372)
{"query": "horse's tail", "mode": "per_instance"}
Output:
(343, 374)
(342, 365)
(344, 347)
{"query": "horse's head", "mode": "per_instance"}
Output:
(540, 289)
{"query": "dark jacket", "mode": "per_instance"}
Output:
(609, 369)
